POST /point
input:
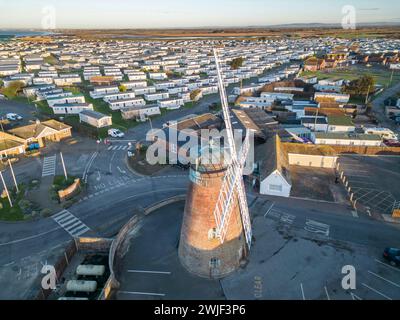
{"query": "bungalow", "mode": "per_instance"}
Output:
(71, 108)
(78, 98)
(346, 139)
(95, 119)
(40, 132)
(10, 145)
(140, 112)
(122, 103)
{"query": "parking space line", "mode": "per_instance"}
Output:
(272, 205)
(143, 293)
(149, 271)
(302, 291)
(354, 296)
(327, 294)
(376, 291)
(382, 278)
(317, 227)
(387, 265)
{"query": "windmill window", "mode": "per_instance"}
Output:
(214, 263)
(212, 234)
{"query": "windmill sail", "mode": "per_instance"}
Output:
(233, 180)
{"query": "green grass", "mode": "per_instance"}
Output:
(52, 60)
(381, 75)
(15, 213)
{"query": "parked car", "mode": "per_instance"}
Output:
(116, 133)
(13, 117)
(392, 255)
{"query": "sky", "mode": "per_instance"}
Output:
(96, 14)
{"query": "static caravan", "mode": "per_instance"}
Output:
(156, 96)
(95, 119)
(118, 104)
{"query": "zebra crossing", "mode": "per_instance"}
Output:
(70, 223)
(118, 148)
(49, 166)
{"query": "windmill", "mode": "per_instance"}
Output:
(216, 230)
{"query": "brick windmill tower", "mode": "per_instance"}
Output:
(216, 230)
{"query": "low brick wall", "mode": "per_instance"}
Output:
(69, 192)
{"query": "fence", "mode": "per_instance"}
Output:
(87, 245)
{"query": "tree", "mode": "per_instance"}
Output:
(195, 95)
(361, 86)
(236, 63)
(122, 88)
(12, 90)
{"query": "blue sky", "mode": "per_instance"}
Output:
(189, 13)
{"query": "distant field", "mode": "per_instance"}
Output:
(270, 32)
(380, 74)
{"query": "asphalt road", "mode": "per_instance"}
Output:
(378, 107)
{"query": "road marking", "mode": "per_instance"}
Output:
(387, 265)
(327, 294)
(70, 223)
(109, 148)
(317, 227)
(382, 278)
(272, 205)
(143, 293)
(121, 171)
(376, 291)
(354, 296)
(146, 271)
(88, 165)
(302, 291)
(29, 238)
(49, 166)
(354, 213)
(8, 264)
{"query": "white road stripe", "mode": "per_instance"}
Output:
(376, 291)
(387, 265)
(86, 229)
(382, 278)
(354, 213)
(70, 223)
(327, 294)
(354, 296)
(272, 205)
(302, 291)
(146, 271)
